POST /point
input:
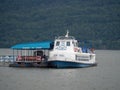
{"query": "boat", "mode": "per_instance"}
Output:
(67, 54)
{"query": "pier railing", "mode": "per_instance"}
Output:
(5, 60)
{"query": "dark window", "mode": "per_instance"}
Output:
(57, 43)
(68, 43)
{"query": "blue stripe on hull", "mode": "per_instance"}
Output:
(66, 64)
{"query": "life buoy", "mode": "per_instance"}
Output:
(92, 50)
(76, 49)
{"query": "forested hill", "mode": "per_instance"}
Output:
(95, 23)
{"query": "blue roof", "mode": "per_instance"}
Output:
(35, 45)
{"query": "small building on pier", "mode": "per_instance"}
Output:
(31, 54)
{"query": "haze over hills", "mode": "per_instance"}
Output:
(95, 23)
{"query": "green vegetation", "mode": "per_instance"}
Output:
(95, 23)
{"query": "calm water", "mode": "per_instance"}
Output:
(106, 76)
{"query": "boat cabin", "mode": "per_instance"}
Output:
(66, 43)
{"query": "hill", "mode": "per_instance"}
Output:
(95, 23)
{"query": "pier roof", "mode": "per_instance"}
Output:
(33, 45)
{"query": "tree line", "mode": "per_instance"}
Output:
(95, 24)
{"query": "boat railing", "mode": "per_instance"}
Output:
(63, 37)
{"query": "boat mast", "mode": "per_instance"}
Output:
(67, 34)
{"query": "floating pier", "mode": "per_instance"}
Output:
(31, 54)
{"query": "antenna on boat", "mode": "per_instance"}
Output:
(67, 33)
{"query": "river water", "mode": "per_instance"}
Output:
(105, 76)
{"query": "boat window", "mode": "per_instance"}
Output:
(68, 43)
(57, 43)
(73, 43)
(62, 43)
(76, 44)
